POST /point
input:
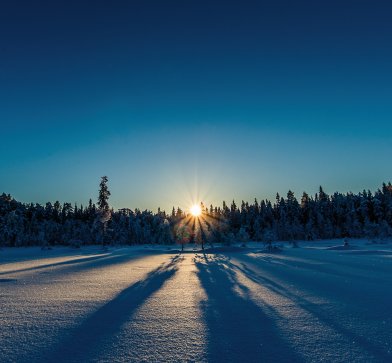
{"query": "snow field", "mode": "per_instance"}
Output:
(308, 304)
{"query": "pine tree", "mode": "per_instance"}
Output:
(104, 194)
(104, 214)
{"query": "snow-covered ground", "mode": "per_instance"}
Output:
(319, 302)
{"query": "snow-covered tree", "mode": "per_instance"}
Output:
(104, 212)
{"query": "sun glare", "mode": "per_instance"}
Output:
(195, 210)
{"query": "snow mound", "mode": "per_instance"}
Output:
(370, 252)
(222, 249)
(274, 249)
(342, 247)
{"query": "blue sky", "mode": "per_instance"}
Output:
(178, 101)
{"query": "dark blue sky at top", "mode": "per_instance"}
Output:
(188, 100)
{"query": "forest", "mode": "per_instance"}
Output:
(321, 216)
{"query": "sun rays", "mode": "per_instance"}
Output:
(199, 225)
(196, 210)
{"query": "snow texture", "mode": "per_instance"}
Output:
(138, 304)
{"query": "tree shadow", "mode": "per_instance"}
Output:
(321, 265)
(237, 329)
(87, 341)
(54, 264)
(82, 263)
(312, 308)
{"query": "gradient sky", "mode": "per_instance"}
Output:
(193, 100)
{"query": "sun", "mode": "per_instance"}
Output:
(196, 210)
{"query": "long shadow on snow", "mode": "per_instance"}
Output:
(304, 272)
(86, 342)
(323, 265)
(238, 330)
(312, 308)
(54, 264)
(78, 264)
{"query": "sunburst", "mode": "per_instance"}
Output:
(195, 210)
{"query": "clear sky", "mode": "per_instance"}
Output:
(193, 100)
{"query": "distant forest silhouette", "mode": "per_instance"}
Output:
(321, 216)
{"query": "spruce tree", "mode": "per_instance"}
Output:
(104, 194)
(104, 213)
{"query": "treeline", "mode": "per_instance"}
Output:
(321, 216)
(64, 224)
